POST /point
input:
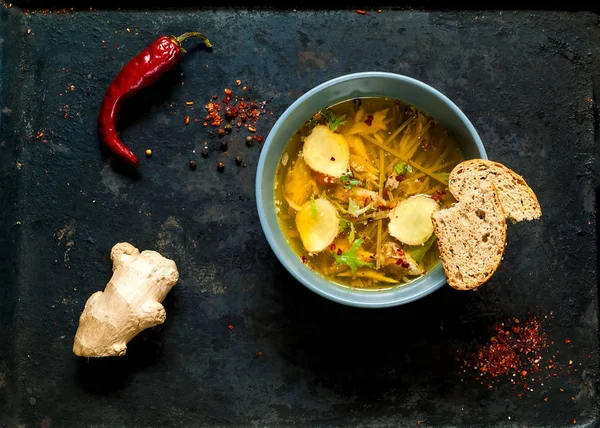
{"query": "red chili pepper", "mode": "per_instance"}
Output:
(142, 71)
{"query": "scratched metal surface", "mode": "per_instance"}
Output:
(524, 80)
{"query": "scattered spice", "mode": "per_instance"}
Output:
(148, 152)
(192, 165)
(221, 166)
(228, 128)
(361, 12)
(515, 348)
(189, 103)
(439, 194)
(230, 327)
(251, 129)
(223, 145)
(187, 120)
(221, 132)
(239, 82)
(567, 341)
(204, 152)
(259, 353)
(304, 259)
(249, 141)
(238, 160)
(369, 120)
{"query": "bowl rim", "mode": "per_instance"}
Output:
(265, 225)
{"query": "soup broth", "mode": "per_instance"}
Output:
(356, 187)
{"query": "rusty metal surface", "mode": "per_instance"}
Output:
(528, 82)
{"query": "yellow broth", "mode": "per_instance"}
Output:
(401, 139)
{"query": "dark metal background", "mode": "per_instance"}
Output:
(522, 78)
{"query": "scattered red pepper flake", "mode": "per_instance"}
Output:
(230, 327)
(567, 341)
(259, 353)
(589, 99)
(361, 12)
(187, 120)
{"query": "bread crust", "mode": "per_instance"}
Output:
(482, 170)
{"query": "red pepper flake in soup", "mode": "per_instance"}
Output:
(369, 120)
(304, 259)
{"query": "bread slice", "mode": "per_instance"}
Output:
(518, 200)
(471, 237)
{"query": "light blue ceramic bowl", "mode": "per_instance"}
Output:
(370, 84)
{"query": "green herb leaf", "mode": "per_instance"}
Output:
(355, 210)
(399, 168)
(313, 205)
(348, 181)
(351, 259)
(409, 168)
(352, 235)
(332, 121)
(343, 225)
(417, 252)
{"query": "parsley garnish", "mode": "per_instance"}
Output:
(343, 225)
(348, 181)
(332, 121)
(401, 167)
(351, 259)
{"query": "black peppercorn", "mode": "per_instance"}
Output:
(205, 151)
(221, 167)
(223, 145)
(228, 128)
(249, 141)
(192, 164)
(238, 160)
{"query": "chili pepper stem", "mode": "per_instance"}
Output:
(184, 36)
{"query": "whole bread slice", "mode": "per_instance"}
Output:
(471, 237)
(518, 200)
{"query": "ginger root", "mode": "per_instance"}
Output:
(130, 303)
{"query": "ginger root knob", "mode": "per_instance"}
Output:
(130, 303)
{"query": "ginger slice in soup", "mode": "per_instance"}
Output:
(318, 224)
(326, 152)
(410, 221)
(299, 184)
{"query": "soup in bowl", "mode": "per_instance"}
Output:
(348, 179)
